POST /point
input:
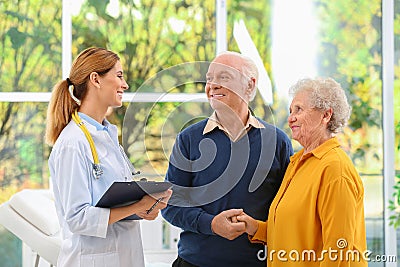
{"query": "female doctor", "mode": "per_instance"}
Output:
(86, 159)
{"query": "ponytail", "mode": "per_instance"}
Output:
(59, 112)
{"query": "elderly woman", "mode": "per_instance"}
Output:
(317, 216)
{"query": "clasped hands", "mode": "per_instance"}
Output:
(232, 223)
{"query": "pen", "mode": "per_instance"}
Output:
(154, 205)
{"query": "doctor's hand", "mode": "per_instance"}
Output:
(147, 208)
(150, 205)
(226, 225)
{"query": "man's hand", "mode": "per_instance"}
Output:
(226, 225)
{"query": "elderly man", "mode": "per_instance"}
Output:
(222, 166)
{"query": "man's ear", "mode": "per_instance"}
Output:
(94, 79)
(251, 83)
(251, 86)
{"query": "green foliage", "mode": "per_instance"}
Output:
(30, 61)
(394, 204)
(17, 38)
(149, 36)
(30, 50)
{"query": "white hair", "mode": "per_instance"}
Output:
(326, 93)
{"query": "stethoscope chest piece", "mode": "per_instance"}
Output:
(97, 170)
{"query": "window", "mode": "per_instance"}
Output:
(341, 39)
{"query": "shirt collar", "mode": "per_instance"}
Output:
(318, 152)
(99, 126)
(213, 123)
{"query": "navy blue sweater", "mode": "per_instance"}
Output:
(211, 174)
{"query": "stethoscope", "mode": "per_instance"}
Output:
(97, 170)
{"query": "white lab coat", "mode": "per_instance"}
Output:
(87, 239)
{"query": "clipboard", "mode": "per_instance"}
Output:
(125, 193)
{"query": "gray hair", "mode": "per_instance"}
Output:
(326, 93)
(249, 70)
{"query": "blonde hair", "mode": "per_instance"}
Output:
(61, 104)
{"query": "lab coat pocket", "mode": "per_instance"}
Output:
(100, 260)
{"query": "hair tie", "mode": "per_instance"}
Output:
(69, 82)
(71, 91)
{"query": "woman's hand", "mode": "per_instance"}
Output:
(225, 224)
(251, 224)
(142, 208)
(150, 205)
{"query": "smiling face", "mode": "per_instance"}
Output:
(226, 86)
(113, 86)
(308, 124)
